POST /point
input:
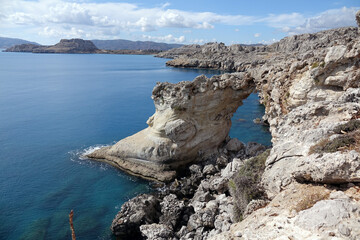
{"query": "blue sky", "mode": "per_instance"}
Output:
(187, 22)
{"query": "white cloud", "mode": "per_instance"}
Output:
(167, 38)
(52, 18)
(333, 18)
(257, 35)
(267, 42)
(283, 20)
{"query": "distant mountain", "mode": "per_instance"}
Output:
(121, 44)
(64, 46)
(9, 42)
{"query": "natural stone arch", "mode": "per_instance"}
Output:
(191, 120)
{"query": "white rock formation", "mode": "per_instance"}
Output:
(191, 120)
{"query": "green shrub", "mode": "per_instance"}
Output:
(245, 186)
(318, 64)
(315, 65)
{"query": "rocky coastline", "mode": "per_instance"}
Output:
(307, 186)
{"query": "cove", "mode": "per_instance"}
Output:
(53, 108)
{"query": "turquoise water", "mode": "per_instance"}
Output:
(53, 108)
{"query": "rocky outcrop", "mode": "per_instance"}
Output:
(242, 58)
(64, 46)
(312, 100)
(196, 205)
(310, 181)
(191, 120)
(302, 211)
(141, 210)
(309, 85)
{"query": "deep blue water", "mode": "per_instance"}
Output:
(53, 108)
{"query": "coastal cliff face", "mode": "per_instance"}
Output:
(312, 174)
(191, 120)
(242, 58)
(308, 184)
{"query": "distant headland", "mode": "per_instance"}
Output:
(86, 46)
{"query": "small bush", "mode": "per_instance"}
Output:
(178, 108)
(315, 65)
(318, 64)
(245, 184)
(334, 145)
(350, 126)
(350, 140)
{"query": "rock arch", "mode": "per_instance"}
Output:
(191, 120)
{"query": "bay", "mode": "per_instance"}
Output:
(55, 107)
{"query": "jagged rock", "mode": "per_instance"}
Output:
(309, 85)
(302, 212)
(171, 209)
(191, 120)
(334, 214)
(142, 209)
(245, 58)
(358, 18)
(254, 205)
(200, 199)
(204, 217)
(231, 168)
(219, 184)
(252, 149)
(195, 169)
(221, 161)
(156, 231)
(209, 169)
(234, 145)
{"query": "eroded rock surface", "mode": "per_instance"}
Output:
(191, 120)
(141, 210)
(309, 85)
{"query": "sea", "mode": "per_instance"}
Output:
(56, 107)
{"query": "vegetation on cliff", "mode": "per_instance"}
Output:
(245, 185)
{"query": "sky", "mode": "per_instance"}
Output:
(173, 21)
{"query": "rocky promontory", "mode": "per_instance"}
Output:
(75, 46)
(191, 120)
(307, 186)
(64, 46)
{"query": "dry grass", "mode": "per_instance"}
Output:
(310, 199)
(349, 140)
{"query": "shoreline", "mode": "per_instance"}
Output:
(310, 87)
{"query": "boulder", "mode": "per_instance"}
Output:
(171, 210)
(156, 231)
(142, 209)
(234, 145)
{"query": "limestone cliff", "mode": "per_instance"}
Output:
(310, 86)
(191, 120)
